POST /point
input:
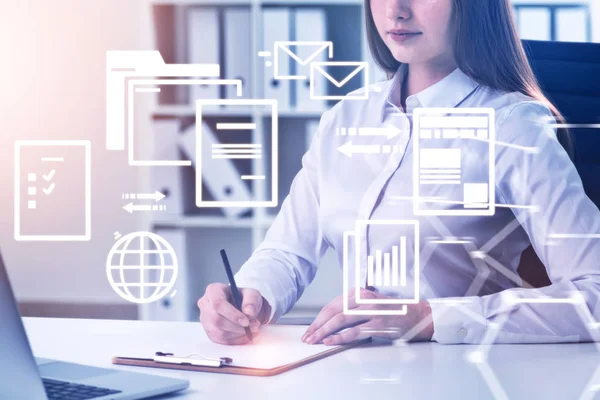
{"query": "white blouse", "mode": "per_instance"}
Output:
(467, 263)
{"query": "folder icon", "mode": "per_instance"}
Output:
(284, 49)
(123, 65)
(319, 69)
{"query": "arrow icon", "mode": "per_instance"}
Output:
(130, 207)
(349, 149)
(388, 131)
(156, 196)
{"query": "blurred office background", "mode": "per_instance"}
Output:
(52, 86)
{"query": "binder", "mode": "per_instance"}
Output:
(174, 306)
(310, 26)
(276, 23)
(222, 179)
(203, 47)
(284, 355)
(168, 180)
(238, 51)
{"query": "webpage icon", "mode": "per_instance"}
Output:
(454, 161)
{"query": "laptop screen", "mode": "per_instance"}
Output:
(18, 365)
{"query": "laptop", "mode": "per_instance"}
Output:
(26, 377)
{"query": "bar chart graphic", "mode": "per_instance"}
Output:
(388, 268)
(395, 267)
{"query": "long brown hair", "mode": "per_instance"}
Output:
(487, 48)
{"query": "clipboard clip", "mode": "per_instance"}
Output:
(191, 359)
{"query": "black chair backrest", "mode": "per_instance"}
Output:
(569, 74)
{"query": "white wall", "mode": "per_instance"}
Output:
(52, 86)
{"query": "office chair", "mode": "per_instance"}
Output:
(569, 75)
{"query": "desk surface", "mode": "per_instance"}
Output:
(411, 371)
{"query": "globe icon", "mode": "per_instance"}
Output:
(141, 267)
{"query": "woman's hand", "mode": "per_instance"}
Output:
(224, 323)
(332, 319)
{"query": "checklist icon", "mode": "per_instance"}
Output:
(52, 190)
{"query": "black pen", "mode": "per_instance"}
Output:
(237, 298)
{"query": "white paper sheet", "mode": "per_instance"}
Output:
(273, 346)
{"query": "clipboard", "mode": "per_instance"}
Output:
(222, 365)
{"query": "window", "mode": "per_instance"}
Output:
(560, 20)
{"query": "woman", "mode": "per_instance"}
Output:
(441, 53)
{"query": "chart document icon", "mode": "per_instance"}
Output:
(392, 268)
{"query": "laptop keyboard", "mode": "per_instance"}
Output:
(59, 390)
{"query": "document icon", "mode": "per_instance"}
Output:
(454, 161)
(52, 190)
(393, 268)
(326, 69)
(302, 53)
(237, 143)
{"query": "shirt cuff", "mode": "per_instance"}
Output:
(243, 281)
(458, 320)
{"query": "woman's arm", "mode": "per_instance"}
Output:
(548, 180)
(286, 261)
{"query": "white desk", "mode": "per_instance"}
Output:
(413, 371)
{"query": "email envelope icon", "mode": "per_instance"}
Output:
(301, 53)
(319, 69)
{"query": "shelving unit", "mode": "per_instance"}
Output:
(200, 233)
